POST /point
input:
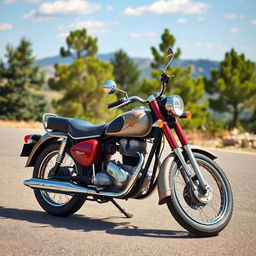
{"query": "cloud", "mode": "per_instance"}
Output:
(201, 18)
(253, 22)
(235, 30)
(5, 26)
(109, 8)
(56, 9)
(144, 34)
(211, 46)
(168, 7)
(182, 20)
(93, 27)
(233, 16)
(24, 1)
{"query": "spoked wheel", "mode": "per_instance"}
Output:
(204, 214)
(58, 204)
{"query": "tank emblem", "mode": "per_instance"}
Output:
(130, 122)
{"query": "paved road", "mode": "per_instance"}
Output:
(25, 229)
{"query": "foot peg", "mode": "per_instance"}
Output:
(127, 215)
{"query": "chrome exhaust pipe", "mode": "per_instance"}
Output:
(67, 187)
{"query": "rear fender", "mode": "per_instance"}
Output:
(164, 189)
(45, 140)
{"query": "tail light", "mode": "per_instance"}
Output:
(27, 139)
(32, 138)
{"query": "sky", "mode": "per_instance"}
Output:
(203, 29)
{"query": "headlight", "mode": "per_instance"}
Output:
(175, 105)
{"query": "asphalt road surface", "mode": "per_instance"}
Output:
(99, 229)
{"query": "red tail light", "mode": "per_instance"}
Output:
(26, 138)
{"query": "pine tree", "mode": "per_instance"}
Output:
(191, 90)
(126, 73)
(233, 85)
(19, 78)
(82, 81)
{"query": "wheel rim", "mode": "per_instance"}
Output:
(55, 199)
(206, 214)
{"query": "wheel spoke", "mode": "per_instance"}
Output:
(56, 199)
(196, 210)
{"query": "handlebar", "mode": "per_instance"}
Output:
(116, 103)
(125, 101)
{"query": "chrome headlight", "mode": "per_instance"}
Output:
(175, 105)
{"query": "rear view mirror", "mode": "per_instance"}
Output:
(109, 87)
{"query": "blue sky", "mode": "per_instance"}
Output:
(203, 29)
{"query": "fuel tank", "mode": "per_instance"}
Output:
(135, 123)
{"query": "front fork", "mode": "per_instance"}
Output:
(188, 176)
(175, 147)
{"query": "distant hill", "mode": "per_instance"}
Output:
(201, 67)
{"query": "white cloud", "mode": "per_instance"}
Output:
(235, 30)
(144, 34)
(182, 20)
(211, 46)
(53, 10)
(169, 7)
(5, 26)
(62, 35)
(233, 16)
(24, 1)
(201, 18)
(109, 8)
(93, 27)
(87, 24)
(253, 22)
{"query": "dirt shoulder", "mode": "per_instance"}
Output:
(20, 124)
(203, 139)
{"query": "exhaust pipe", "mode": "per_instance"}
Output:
(67, 187)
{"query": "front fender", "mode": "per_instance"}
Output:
(45, 140)
(164, 189)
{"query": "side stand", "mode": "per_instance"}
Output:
(127, 215)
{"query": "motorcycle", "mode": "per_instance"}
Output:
(73, 162)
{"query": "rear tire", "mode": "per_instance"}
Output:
(197, 217)
(55, 203)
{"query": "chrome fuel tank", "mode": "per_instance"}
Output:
(135, 123)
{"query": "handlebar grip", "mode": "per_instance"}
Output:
(116, 103)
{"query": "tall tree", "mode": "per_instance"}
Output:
(126, 73)
(19, 78)
(82, 81)
(233, 85)
(191, 90)
(80, 44)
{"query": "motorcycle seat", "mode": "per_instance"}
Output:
(77, 129)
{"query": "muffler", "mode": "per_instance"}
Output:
(67, 187)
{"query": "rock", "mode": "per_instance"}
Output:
(230, 141)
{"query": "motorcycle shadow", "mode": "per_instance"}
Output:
(87, 224)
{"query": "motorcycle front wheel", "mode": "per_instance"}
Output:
(201, 218)
(57, 204)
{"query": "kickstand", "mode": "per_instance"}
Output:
(127, 215)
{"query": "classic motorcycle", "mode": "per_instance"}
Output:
(73, 162)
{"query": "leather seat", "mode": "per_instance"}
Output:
(75, 128)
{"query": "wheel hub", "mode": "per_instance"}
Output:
(191, 199)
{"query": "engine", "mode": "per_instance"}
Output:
(117, 174)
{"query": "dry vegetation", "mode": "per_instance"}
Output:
(20, 124)
(195, 137)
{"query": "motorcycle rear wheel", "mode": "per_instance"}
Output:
(201, 219)
(57, 204)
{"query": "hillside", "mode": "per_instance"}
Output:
(199, 67)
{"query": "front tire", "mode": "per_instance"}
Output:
(55, 203)
(201, 219)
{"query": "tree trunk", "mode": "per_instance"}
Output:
(235, 116)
